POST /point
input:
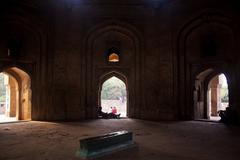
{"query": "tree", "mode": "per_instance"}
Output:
(224, 94)
(2, 88)
(113, 89)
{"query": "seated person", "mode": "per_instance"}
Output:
(229, 116)
(104, 115)
(113, 113)
(100, 113)
(114, 110)
(99, 110)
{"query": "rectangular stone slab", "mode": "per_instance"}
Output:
(105, 144)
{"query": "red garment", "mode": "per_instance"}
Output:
(114, 111)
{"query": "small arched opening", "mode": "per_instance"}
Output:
(113, 55)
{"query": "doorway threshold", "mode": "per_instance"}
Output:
(207, 120)
(16, 121)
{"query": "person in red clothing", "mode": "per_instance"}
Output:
(113, 113)
(114, 110)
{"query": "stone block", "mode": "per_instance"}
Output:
(105, 144)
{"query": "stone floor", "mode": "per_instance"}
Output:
(191, 140)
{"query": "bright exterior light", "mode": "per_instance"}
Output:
(113, 57)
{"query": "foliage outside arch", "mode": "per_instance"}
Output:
(113, 88)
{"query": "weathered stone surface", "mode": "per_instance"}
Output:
(105, 144)
(186, 140)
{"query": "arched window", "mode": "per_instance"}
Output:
(113, 55)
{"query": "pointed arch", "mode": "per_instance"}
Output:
(21, 90)
(186, 64)
(119, 76)
(125, 37)
(115, 25)
(202, 92)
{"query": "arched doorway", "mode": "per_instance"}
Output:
(113, 93)
(15, 95)
(217, 96)
(210, 94)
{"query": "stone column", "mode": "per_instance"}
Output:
(13, 95)
(215, 95)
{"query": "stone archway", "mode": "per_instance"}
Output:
(121, 104)
(99, 40)
(18, 84)
(206, 94)
(200, 44)
(217, 96)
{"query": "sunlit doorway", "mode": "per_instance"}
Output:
(8, 98)
(217, 96)
(15, 95)
(211, 94)
(114, 94)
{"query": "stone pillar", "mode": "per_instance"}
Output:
(25, 99)
(215, 95)
(13, 97)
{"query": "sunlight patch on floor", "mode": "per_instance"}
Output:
(4, 119)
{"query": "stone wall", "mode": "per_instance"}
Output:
(163, 45)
